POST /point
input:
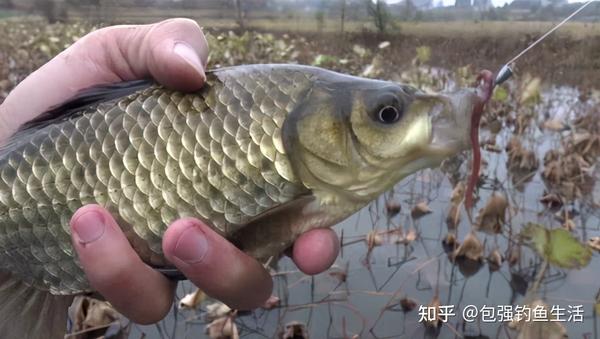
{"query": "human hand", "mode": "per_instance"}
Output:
(173, 52)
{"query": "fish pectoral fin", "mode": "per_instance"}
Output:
(267, 235)
(27, 312)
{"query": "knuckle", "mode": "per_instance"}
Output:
(95, 38)
(86, 49)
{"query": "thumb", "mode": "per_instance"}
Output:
(173, 52)
(177, 54)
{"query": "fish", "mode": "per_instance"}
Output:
(261, 153)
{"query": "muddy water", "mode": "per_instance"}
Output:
(367, 302)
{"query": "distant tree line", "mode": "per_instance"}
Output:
(377, 10)
(323, 12)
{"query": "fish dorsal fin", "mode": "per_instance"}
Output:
(73, 108)
(84, 99)
(27, 312)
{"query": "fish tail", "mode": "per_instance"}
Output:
(27, 312)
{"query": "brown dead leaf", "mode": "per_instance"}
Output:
(471, 248)
(492, 148)
(553, 172)
(492, 216)
(217, 310)
(373, 239)
(453, 217)
(594, 243)
(530, 90)
(392, 208)
(458, 193)
(91, 318)
(564, 215)
(495, 260)
(193, 300)
(551, 155)
(420, 210)
(407, 304)
(449, 243)
(340, 275)
(410, 236)
(569, 172)
(456, 198)
(271, 303)
(514, 256)
(490, 144)
(582, 138)
(520, 158)
(554, 125)
(513, 143)
(551, 200)
(569, 225)
(404, 237)
(222, 328)
(495, 126)
(436, 321)
(294, 330)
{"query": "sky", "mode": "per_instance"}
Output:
(495, 2)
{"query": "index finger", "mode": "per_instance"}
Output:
(215, 265)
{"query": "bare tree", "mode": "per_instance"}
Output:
(239, 13)
(380, 14)
(342, 15)
(320, 17)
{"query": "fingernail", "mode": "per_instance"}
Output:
(189, 55)
(89, 227)
(191, 247)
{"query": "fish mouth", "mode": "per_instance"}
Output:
(455, 117)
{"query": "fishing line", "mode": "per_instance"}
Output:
(506, 71)
(550, 32)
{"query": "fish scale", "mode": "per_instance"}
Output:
(150, 158)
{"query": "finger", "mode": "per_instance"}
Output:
(178, 54)
(115, 270)
(215, 265)
(316, 250)
(174, 52)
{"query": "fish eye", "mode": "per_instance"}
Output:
(388, 115)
